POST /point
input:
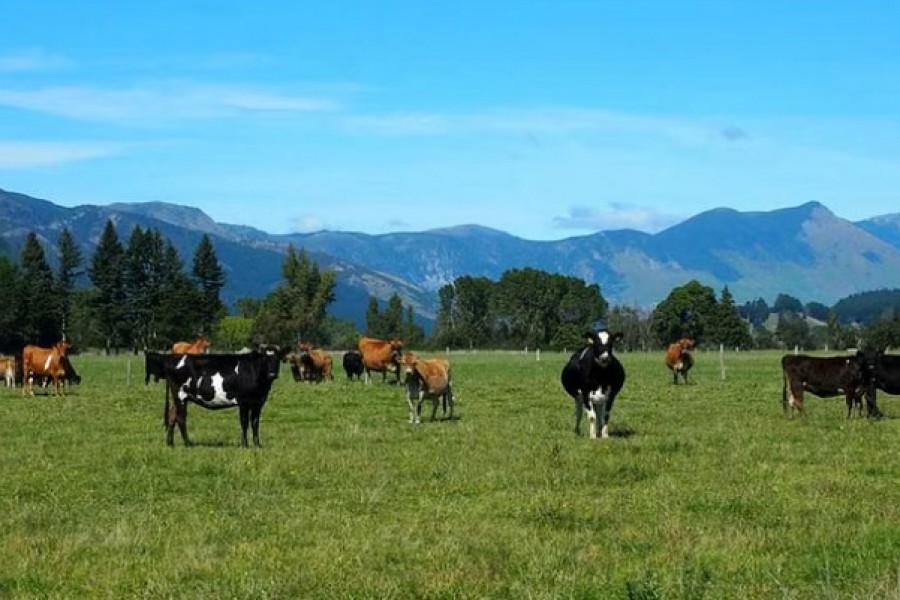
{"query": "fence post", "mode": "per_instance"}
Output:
(722, 360)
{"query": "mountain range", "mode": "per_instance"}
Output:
(805, 251)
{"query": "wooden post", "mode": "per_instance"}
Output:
(722, 360)
(128, 372)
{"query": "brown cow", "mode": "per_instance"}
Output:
(198, 346)
(8, 370)
(381, 356)
(427, 378)
(315, 364)
(44, 362)
(679, 359)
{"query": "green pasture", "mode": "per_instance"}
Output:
(704, 491)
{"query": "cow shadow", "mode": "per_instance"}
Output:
(201, 443)
(621, 432)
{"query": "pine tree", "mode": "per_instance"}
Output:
(106, 274)
(392, 318)
(728, 327)
(70, 261)
(374, 321)
(38, 315)
(210, 277)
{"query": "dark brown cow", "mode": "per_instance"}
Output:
(679, 359)
(41, 362)
(198, 346)
(824, 377)
(381, 356)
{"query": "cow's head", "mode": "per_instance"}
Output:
(602, 343)
(272, 362)
(63, 347)
(685, 343)
(396, 350)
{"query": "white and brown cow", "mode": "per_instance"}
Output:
(824, 376)
(427, 379)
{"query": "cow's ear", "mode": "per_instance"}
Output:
(591, 338)
(618, 336)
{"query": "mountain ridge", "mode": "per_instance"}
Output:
(805, 251)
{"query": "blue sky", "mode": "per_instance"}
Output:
(546, 119)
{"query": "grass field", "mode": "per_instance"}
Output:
(705, 491)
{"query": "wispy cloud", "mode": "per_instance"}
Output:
(617, 215)
(24, 155)
(733, 133)
(529, 122)
(159, 102)
(32, 60)
(306, 224)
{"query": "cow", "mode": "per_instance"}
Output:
(381, 356)
(884, 374)
(198, 346)
(824, 377)
(219, 381)
(679, 359)
(427, 379)
(353, 364)
(593, 377)
(154, 366)
(8, 370)
(40, 362)
(315, 363)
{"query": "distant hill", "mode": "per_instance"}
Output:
(805, 251)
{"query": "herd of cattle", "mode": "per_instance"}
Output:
(593, 377)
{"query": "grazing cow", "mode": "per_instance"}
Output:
(353, 364)
(427, 378)
(315, 363)
(154, 366)
(8, 370)
(593, 377)
(381, 356)
(198, 346)
(217, 381)
(824, 377)
(41, 362)
(679, 359)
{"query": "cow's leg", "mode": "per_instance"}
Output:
(181, 418)
(255, 414)
(608, 399)
(435, 400)
(245, 423)
(579, 410)
(598, 414)
(448, 400)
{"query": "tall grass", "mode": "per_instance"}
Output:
(704, 491)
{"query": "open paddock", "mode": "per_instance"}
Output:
(704, 491)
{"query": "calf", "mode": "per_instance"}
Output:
(353, 364)
(824, 377)
(381, 356)
(8, 370)
(427, 378)
(593, 377)
(679, 359)
(217, 381)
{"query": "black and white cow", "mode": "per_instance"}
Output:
(154, 366)
(217, 381)
(594, 377)
(353, 364)
(823, 376)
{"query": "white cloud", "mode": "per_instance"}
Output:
(32, 60)
(306, 224)
(618, 215)
(158, 102)
(24, 155)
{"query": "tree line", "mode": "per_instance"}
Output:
(143, 296)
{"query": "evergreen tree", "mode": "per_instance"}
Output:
(374, 322)
(211, 278)
(296, 310)
(728, 326)
(413, 334)
(70, 261)
(38, 315)
(178, 316)
(9, 306)
(392, 319)
(143, 280)
(106, 274)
